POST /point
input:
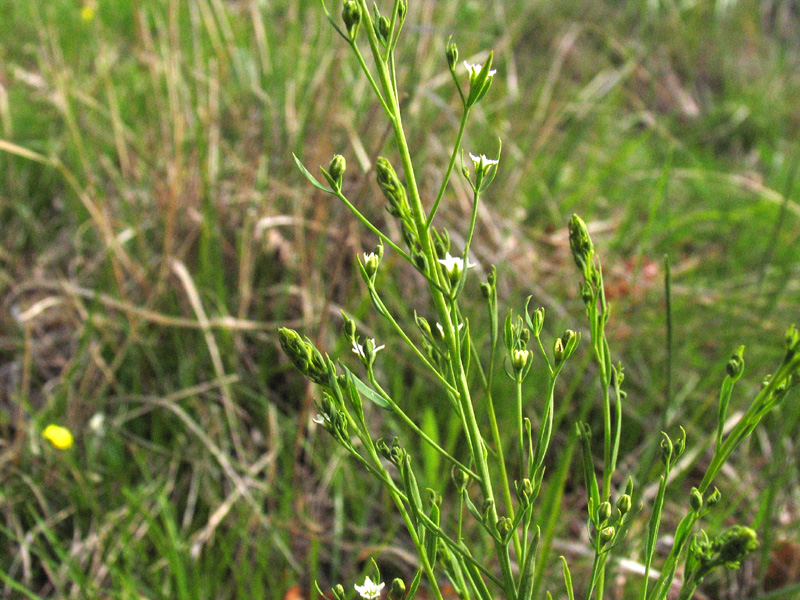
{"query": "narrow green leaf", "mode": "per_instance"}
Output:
(366, 391)
(310, 177)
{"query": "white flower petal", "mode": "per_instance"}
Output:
(358, 349)
(370, 590)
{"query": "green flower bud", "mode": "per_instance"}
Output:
(735, 365)
(535, 320)
(624, 504)
(338, 591)
(451, 53)
(520, 358)
(349, 328)
(603, 512)
(460, 478)
(666, 449)
(398, 589)
(397, 454)
(402, 9)
(580, 243)
(351, 15)
(383, 28)
(504, 526)
(695, 499)
(524, 490)
(383, 448)
(713, 499)
(336, 169)
(606, 534)
(558, 351)
(486, 290)
(304, 356)
(392, 188)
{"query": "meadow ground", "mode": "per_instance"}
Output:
(156, 233)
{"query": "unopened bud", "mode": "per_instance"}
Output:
(536, 321)
(558, 351)
(713, 499)
(349, 329)
(695, 499)
(603, 512)
(351, 15)
(460, 478)
(398, 589)
(735, 365)
(524, 490)
(519, 358)
(579, 241)
(338, 591)
(391, 187)
(452, 55)
(383, 28)
(624, 504)
(504, 526)
(336, 169)
(606, 535)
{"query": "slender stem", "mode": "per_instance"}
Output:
(368, 224)
(374, 85)
(414, 427)
(413, 346)
(450, 166)
(501, 462)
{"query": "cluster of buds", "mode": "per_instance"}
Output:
(608, 521)
(516, 336)
(333, 419)
(701, 505)
(305, 357)
(671, 450)
(395, 194)
(726, 550)
(395, 453)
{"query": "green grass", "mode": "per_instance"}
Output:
(160, 234)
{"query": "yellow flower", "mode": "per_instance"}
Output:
(87, 12)
(60, 437)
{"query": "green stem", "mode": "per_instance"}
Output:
(449, 170)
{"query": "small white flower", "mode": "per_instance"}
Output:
(319, 420)
(454, 266)
(482, 162)
(370, 590)
(475, 69)
(358, 349)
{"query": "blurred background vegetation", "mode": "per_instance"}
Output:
(155, 233)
